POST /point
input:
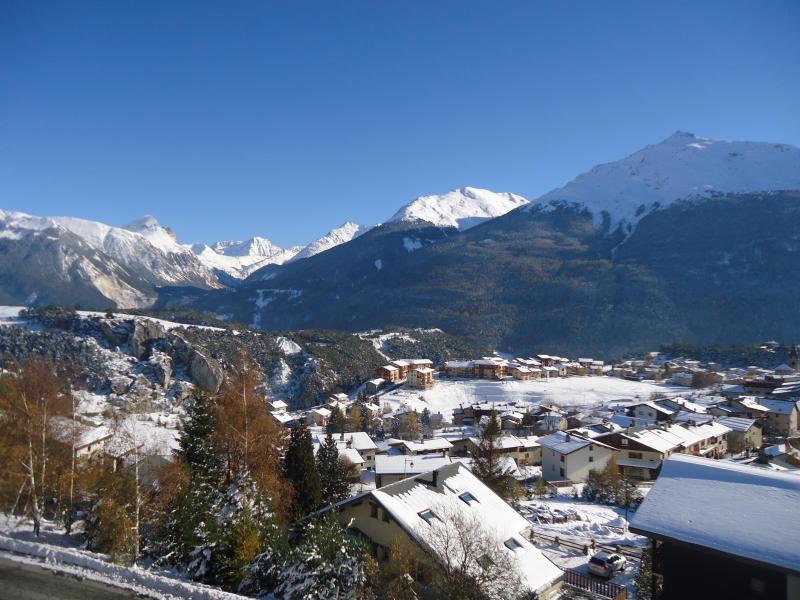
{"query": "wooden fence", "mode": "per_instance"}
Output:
(595, 587)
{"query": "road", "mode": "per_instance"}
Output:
(20, 581)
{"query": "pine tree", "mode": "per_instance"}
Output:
(328, 564)
(188, 524)
(246, 528)
(332, 474)
(335, 421)
(300, 469)
(487, 464)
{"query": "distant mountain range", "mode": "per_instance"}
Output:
(688, 239)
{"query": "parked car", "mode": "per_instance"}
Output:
(606, 564)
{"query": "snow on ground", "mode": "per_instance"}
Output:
(62, 553)
(600, 523)
(446, 395)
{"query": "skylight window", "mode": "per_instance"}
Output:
(512, 544)
(428, 515)
(469, 498)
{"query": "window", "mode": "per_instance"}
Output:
(373, 510)
(562, 458)
(428, 515)
(591, 447)
(591, 459)
(624, 441)
(634, 455)
(512, 544)
(468, 498)
(561, 472)
(386, 516)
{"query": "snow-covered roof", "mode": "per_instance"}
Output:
(358, 440)
(351, 455)
(423, 370)
(506, 442)
(425, 445)
(737, 423)
(409, 465)
(565, 443)
(657, 439)
(782, 407)
(405, 500)
(738, 509)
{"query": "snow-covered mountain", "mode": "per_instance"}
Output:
(240, 258)
(340, 235)
(144, 248)
(462, 208)
(683, 166)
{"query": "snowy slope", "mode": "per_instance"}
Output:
(681, 167)
(340, 235)
(462, 208)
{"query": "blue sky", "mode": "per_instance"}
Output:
(283, 119)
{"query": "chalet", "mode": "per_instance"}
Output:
(567, 456)
(687, 515)
(374, 385)
(389, 373)
(524, 450)
(391, 469)
(88, 440)
(490, 368)
(438, 446)
(459, 368)
(411, 512)
(317, 416)
(650, 411)
(524, 373)
(420, 377)
(277, 405)
(357, 441)
(708, 439)
(745, 434)
(642, 452)
(283, 418)
(782, 416)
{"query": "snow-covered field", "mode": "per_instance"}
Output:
(446, 395)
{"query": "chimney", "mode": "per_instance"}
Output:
(567, 438)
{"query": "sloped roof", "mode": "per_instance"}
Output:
(405, 500)
(742, 510)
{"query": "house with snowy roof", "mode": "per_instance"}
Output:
(781, 417)
(722, 530)
(439, 446)
(641, 453)
(745, 434)
(525, 450)
(416, 513)
(569, 456)
(357, 446)
(392, 468)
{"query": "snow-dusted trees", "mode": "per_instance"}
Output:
(333, 472)
(489, 464)
(31, 404)
(609, 487)
(469, 565)
(300, 470)
(247, 437)
(326, 565)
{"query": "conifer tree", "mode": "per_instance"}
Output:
(487, 464)
(188, 523)
(332, 473)
(300, 470)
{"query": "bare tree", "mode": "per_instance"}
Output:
(473, 564)
(30, 398)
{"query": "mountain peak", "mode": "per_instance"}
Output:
(683, 166)
(461, 208)
(336, 236)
